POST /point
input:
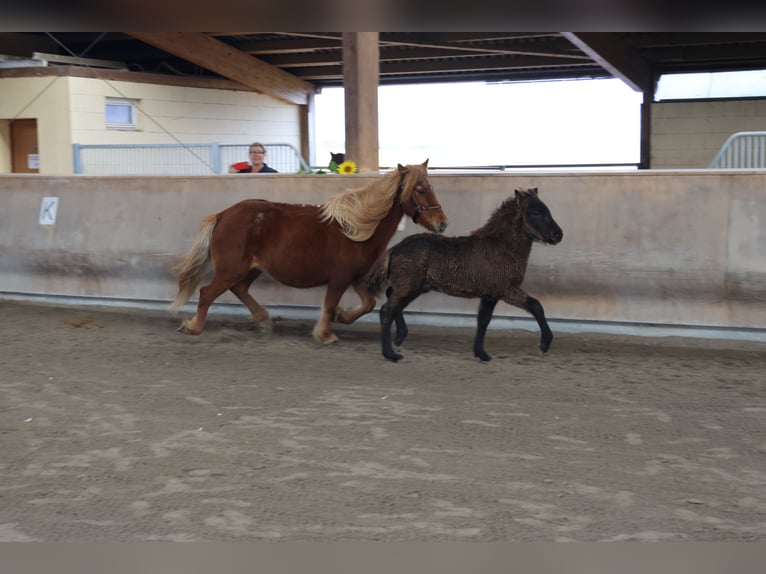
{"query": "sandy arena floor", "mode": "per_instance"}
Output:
(116, 428)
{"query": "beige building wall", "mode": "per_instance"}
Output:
(71, 109)
(45, 99)
(688, 135)
(170, 114)
(5, 146)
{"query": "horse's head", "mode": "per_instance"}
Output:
(418, 198)
(538, 222)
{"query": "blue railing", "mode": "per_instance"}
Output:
(177, 159)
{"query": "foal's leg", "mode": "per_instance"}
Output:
(387, 314)
(259, 314)
(517, 297)
(207, 295)
(486, 308)
(322, 332)
(401, 329)
(401, 324)
(348, 316)
(393, 310)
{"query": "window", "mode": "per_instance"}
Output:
(712, 85)
(121, 114)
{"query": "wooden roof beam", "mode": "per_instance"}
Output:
(216, 56)
(609, 52)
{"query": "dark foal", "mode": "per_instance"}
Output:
(489, 264)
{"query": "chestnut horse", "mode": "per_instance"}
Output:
(333, 244)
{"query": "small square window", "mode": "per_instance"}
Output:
(121, 114)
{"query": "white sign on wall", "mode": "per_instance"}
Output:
(48, 209)
(33, 161)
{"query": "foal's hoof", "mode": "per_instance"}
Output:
(401, 334)
(483, 357)
(393, 357)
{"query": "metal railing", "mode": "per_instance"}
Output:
(175, 159)
(742, 150)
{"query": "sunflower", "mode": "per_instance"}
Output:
(347, 167)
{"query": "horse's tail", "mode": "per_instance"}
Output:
(377, 277)
(192, 268)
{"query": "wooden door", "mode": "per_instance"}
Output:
(24, 155)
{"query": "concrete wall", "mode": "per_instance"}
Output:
(680, 248)
(690, 134)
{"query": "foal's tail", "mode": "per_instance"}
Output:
(192, 268)
(377, 277)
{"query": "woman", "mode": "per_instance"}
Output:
(257, 154)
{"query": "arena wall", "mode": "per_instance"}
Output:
(651, 247)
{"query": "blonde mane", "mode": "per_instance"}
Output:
(358, 211)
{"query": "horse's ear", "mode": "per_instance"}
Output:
(425, 164)
(520, 193)
(401, 168)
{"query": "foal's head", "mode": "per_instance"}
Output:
(536, 217)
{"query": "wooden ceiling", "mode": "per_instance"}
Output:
(287, 64)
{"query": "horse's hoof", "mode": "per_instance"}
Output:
(340, 316)
(183, 328)
(394, 357)
(326, 339)
(266, 326)
(483, 357)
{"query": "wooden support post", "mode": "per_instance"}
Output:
(645, 161)
(361, 62)
(305, 118)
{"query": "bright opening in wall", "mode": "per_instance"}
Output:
(712, 85)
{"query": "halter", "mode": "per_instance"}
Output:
(418, 208)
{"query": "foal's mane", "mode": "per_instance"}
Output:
(500, 222)
(358, 211)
